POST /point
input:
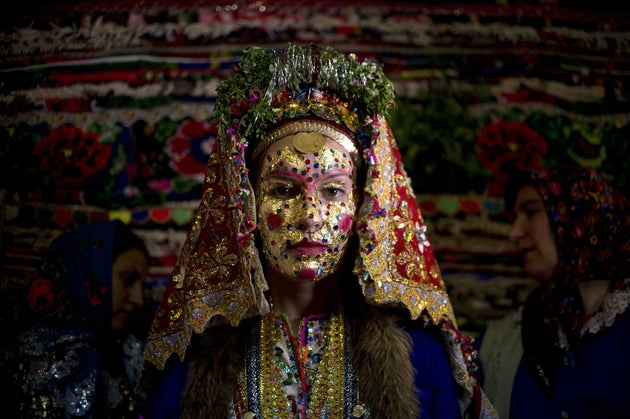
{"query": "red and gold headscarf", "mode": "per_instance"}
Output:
(219, 276)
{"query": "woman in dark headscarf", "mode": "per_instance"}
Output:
(82, 350)
(568, 347)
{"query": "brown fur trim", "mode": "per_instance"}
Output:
(381, 355)
(214, 373)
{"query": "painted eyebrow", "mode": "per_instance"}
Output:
(289, 175)
(284, 175)
(337, 177)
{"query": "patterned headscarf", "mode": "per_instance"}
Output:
(219, 276)
(71, 304)
(74, 279)
(590, 223)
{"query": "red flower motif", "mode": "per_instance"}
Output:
(504, 146)
(160, 185)
(95, 300)
(191, 146)
(239, 108)
(41, 296)
(71, 156)
(95, 292)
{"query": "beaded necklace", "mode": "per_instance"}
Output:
(325, 398)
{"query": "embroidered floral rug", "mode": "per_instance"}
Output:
(106, 107)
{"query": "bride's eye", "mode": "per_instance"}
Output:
(334, 192)
(282, 191)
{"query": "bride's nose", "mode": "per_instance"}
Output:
(311, 216)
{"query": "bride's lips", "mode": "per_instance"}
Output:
(306, 247)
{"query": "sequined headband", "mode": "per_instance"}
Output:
(327, 129)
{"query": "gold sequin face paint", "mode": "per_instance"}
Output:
(306, 206)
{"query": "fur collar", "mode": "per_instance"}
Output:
(380, 356)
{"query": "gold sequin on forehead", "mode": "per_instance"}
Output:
(308, 142)
(285, 159)
(328, 130)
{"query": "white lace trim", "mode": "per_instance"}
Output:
(614, 305)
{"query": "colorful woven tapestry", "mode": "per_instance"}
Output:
(106, 109)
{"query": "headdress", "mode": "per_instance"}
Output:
(219, 277)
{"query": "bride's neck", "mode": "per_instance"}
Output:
(299, 299)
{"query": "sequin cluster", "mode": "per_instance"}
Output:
(59, 385)
(318, 376)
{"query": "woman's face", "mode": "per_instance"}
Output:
(129, 272)
(531, 232)
(306, 205)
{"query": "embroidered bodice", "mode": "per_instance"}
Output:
(299, 354)
(298, 374)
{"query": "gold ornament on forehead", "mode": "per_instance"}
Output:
(308, 142)
(310, 127)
